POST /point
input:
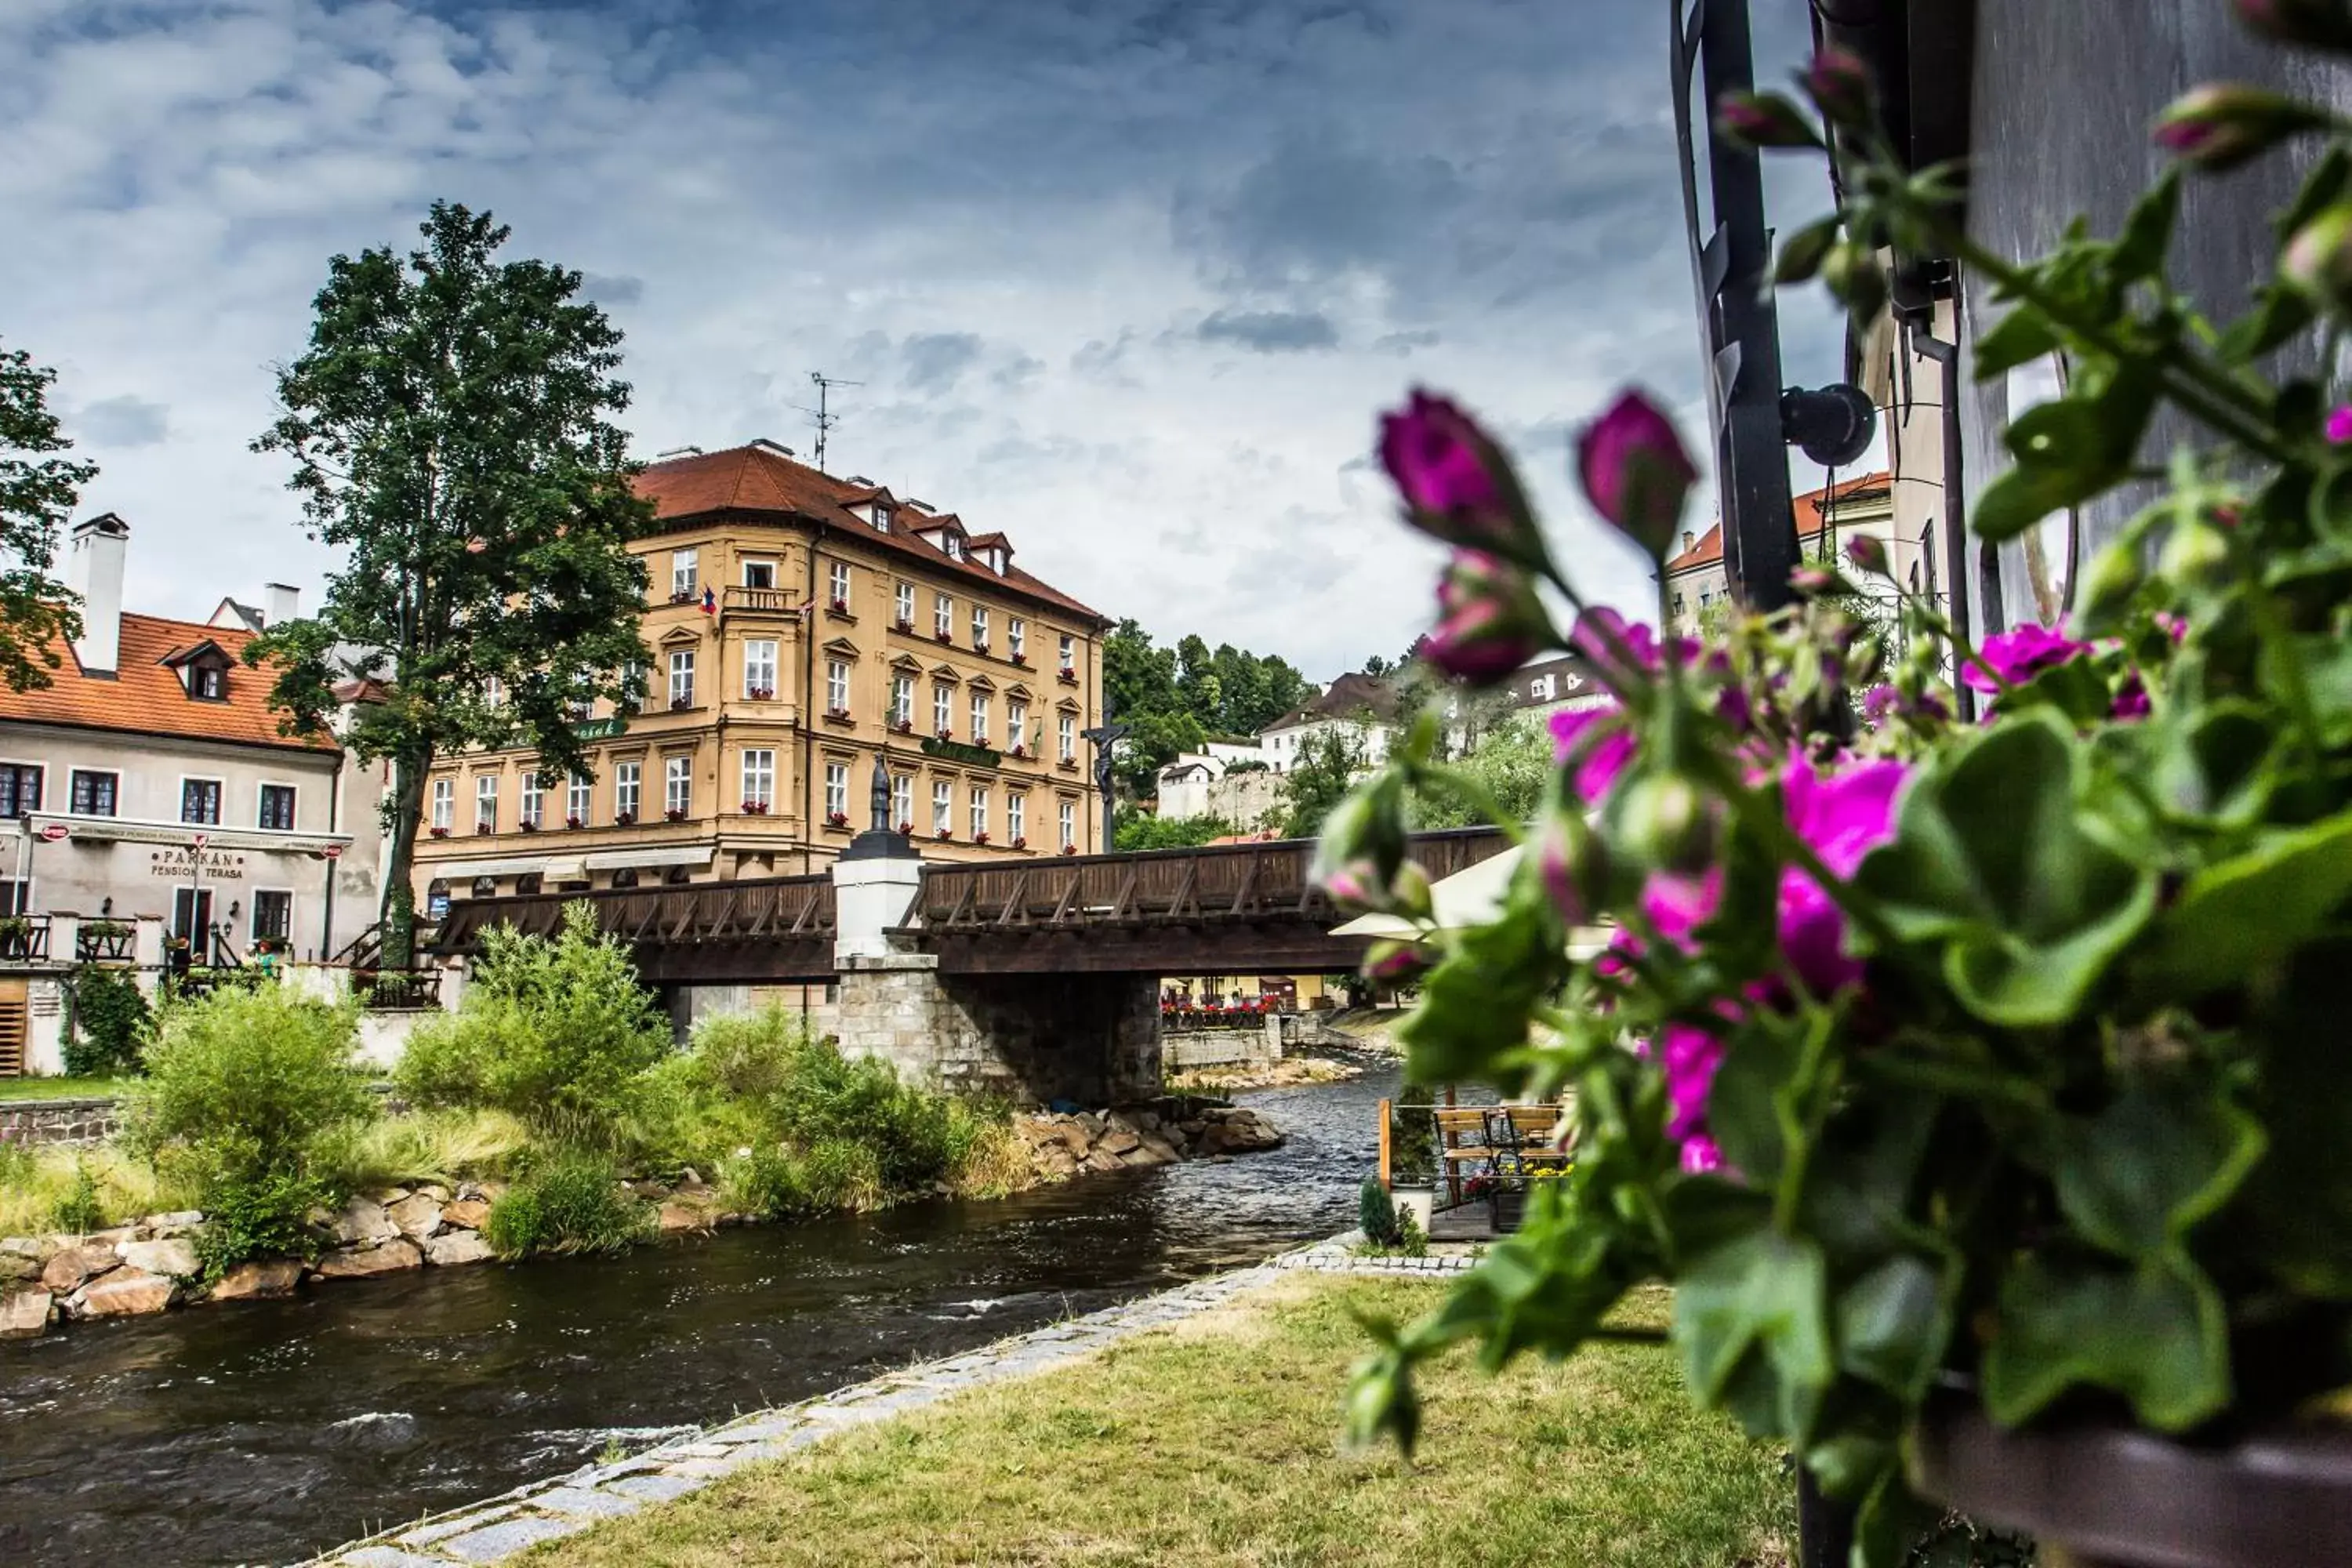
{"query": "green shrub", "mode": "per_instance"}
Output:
(109, 1023)
(842, 1173)
(571, 1202)
(241, 1084)
(557, 1033)
(1376, 1212)
(79, 1211)
(263, 1215)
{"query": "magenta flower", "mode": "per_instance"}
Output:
(1455, 482)
(1868, 554)
(1624, 649)
(1635, 472)
(2339, 425)
(1844, 817)
(1764, 120)
(1688, 1056)
(1564, 863)
(2219, 126)
(1491, 621)
(1398, 962)
(1838, 84)
(1601, 760)
(2019, 655)
(2131, 699)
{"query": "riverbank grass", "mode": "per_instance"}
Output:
(1216, 1440)
(112, 1087)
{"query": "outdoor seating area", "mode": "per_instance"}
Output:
(1476, 1161)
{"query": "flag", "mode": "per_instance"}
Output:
(710, 602)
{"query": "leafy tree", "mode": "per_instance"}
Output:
(1329, 760)
(1512, 761)
(450, 428)
(1133, 829)
(1140, 683)
(1378, 666)
(37, 494)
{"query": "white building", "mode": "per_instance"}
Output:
(1696, 583)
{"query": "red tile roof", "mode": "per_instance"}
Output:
(145, 696)
(1709, 549)
(755, 479)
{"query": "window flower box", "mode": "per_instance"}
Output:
(755, 809)
(980, 645)
(575, 822)
(1019, 659)
(1069, 848)
(944, 734)
(906, 830)
(944, 834)
(839, 607)
(1019, 752)
(680, 704)
(17, 932)
(837, 715)
(979, 839)
(945, 639)
(904, 624)
(836, 819)
(625, 819)
(759, 693)
(438, 832)
(675, 814)
(486, 827)
(683, 596)
(528, 824)
(1069, 765)
(98, 941)
(903, 726)
(1067, 676)
(1021, 843)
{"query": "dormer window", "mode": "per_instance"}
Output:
(881, 517)
(203, 671)
(209, 683)
(954, 543)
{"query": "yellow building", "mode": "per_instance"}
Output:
(799, 624)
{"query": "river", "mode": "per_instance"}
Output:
(263, 1432)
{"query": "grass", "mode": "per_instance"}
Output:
(440, 1145)
(1216, 1441)
(37, 1185)
(15, 1088)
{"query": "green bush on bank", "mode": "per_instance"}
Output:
(110, 1021)
(570, 1201)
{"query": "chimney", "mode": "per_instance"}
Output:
(1690, 542)
(94, 554)
(279, 604)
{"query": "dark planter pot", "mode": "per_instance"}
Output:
(2116, 1496)
(1510, 1205)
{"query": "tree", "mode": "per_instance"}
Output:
(1378, 666)
(36, 495)
(1513, 760)
(1133, 829)
(449, 426)
(1329, 760)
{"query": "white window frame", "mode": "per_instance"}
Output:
(253, 913)
(578, 798)
(1067, 820)
(942, 806)
(943, 616)
(489, 796)
(677, 785)
(1066, 737)
(74, 772)
(629, 791)
(837, 790)
(759, 775)
(978, 801)
(1017, 722)
(836, 686)
(902, 698)
(905, 605)
(902, 799)
(684, 572)
(759, 665)
(220, 796)
(1016, 637)
(980, 626)
(1069, 653)
(530, 798)
(1016, 814)
(681, 676)
(837, 582)
(445, 804)
(943, 708)
(980, 717)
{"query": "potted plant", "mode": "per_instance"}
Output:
(839, 607)
(979, 837)
(1974, 1078)
(836, 819)
(943, 834)
(906, 829)
(1020, 841)
(903, 726)
(575, 820)
(904, 624)
(838, 715)
(529, 825)
(1067, 675)
(755, 809)
(625, 819)
(946, 639)
(682, 596)
(105, 939)
(486, 826)
(1069, 848)
(675, 814)
(680, 704)
(1019, 658)
(980, 645)
(945, 733)
(438, 832)
(1019, 751)
(761, 693)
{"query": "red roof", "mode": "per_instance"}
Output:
(1709, 549)
(755, 479)
(145, 695)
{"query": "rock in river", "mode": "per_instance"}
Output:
(358, 1263)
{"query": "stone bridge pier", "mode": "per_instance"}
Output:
(1091, 1038)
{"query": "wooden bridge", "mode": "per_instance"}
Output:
(1227, 909)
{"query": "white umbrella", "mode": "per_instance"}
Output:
(1470, 898)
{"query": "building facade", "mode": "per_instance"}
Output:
(1696, 583)
(799, 627)
(150, 782)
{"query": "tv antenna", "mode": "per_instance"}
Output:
(822, 415)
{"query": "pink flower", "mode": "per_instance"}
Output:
(1603, 759)
(2131, 699)
(1700, 1153)
(1688, 1056)
(2339, 425)
(2019, 655)
(1455, 484)
(1838, 84)
(1625, 649)
(1493, 622)
(1763, 120)
(1844, 817)
(1635, 472)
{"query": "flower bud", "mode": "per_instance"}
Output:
(1838, 84)
(2325, 24)
(2196, 556)
(1491, 621)
(1667, 823)
(1764, 120)
(1571, 863)
(2318, 261)
(1851, 274)
(1361, 852)
(1868, 554)
(1635, 472)
(1813, 582)
(1457, 484)
(2107, 588)
(1398, 962)
(2218, 127)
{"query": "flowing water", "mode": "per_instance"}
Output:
(261, 1432)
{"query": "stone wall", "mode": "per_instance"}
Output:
(1215, 1047)
(1086, 1038)
(59, 1120)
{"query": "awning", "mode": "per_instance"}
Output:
(680, 855)
(465, 871)
(1470, 898)
(178, 834)
(574, 870)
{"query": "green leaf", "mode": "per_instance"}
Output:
(2300, 1198)
(1890, 1525)
(1893, 1323)
(1802, 253)
(2163, 1156)
(2021, 337)
(2147, 231)
(1474, 1005)
(1763, 1294)
(2234, 920)
(1745, 1102)
(2067, 451)
(2155, 1335)
(1993, 869)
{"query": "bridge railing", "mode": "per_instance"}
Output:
(754, 908)
(1243, 881)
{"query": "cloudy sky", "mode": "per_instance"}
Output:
(1127, 280)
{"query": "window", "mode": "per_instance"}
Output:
(576, 801)
(627, 877)
(836, 686)
(494, 692)
(760, 778)
(633, 686)
(486, 801)
(980, 717)
(199, 800)
(1016, 816)
(534, 799)
(16, 897)
(1069, 653)
(902, 800)
(837, 790)
(677, 785)
(760, 574)
(954, 543)
(209, 682)
(1541, 688)
(979, 626)
(942, 617)
(681, 679)
(1016, 721)
(20, 788)
(941, 807)
(978, 811)
(1067, 815)
(906, 605)
(628, 788)
(1066, 737)
(902, 698)
(273, 914)
(93, 794)
(760, 667)
(1016, 637)
(881, 517)
(942, 715)
(278, 808)
(530, 882)
(485, 887)
(839, 576)
(683, 576)
(445, 804)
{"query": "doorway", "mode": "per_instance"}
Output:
(192, 920)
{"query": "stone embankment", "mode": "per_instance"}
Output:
(70, 1122)
(155, 1263)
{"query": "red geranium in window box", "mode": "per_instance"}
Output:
(1069, 848)
(761, 693)
(945, 733)
(841, 607)
(906, 829)
(979, 839)
(575, 822)
(1019, 843)
(675, 814)
(755, 807)
(528, 826)
(840, 715)
(680, 704)
(486, 827)
(903, 726)
(1069, 674)
(947, 639)
(625, 819)
(440, 832)
(1021, 752)
(905, 624)
(944, 834)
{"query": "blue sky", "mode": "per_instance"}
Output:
(1128, 280)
